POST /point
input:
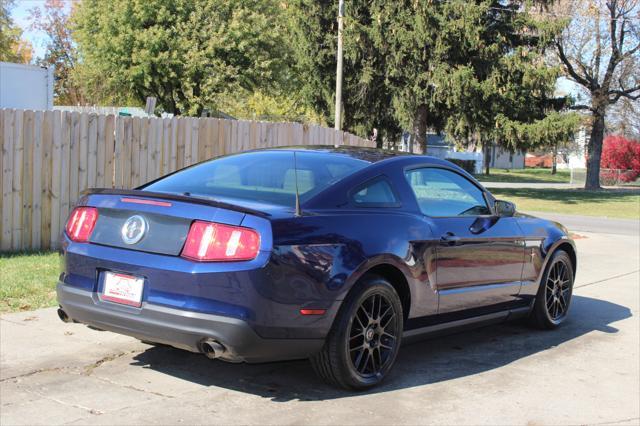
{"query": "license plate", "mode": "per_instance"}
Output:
(124, 289)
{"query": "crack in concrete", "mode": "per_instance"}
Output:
(31, 373)
(88, 369)
(113, 382)
(614, 422)
(61, 402)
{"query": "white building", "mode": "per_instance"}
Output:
(26, 86)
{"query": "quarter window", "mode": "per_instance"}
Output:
(444, 193)
(377, 193)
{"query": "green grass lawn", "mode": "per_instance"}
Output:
(624, 204)
(28, 281)
(528, 175)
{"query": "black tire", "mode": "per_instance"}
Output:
(361, 348)
(554, 295)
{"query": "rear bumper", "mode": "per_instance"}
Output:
(182, 329)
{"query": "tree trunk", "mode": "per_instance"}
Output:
(554, 159)
(420, 128)
(595, 150)
(486, 149)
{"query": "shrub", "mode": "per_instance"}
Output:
(620, 153)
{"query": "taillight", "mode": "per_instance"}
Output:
(208, 241)
(81, 223)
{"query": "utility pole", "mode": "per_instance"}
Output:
(338, 116)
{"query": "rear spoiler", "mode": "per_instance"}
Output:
(173, 197)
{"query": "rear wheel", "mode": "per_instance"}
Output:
(365, 338)
(554, 295)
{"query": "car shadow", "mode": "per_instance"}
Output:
(429, 361)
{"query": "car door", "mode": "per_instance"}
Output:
(479, 256)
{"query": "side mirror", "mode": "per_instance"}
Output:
(505, 208)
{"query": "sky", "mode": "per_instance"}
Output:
(20, 15)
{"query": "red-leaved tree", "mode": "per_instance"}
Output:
(623, 155)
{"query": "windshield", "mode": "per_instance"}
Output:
(260, 176)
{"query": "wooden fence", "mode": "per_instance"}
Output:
(49, 157)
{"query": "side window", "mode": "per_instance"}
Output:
(376, 193)
(444, 193)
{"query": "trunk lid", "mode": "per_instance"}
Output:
(155, 222)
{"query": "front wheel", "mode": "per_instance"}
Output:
(365, 338)
(554, 295)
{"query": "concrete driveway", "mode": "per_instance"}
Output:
(587, 372)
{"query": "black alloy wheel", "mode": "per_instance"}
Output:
(365, 338)
(554, 295)
(373, 336)
(558, 290)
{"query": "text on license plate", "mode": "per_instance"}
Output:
(121, 288)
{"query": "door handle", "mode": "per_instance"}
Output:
(450, 239)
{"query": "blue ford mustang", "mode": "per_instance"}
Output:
(332, 254)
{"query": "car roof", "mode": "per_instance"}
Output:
(371, 155)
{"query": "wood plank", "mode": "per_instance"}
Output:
(136, 123)
(118, 153)
(144, 149)
(166, 146)
(36, 183)
(65, 175)
(212, 139)
(203, 137)
(56, 173)
(184, 134)
(83, 153)
(222, 148)
(127, 144)
(195, 137)
(46, 181)
(157, 148)
(28, 136)
(7, 178)
(109, 151)
(75, 152)
(92, 152)
(173, 160)
(245, 135)
(18, 152)
(100, 150)
(253, 135)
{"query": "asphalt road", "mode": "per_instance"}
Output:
(587, 372)
(594, 224)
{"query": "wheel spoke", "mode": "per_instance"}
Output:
(359, 358)
(386, 323)
(374, 367)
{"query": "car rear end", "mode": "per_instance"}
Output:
(174, 285)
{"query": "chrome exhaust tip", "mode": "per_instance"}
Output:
(212, 349)
(63, 316)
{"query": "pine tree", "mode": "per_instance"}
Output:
(473, 69)
(367, 100)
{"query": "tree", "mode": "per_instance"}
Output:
(12, 47)
(474, 69)
(189, 54)
(367, 100)
(61, 51)
(600, 51)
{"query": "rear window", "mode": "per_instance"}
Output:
(262, 176)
